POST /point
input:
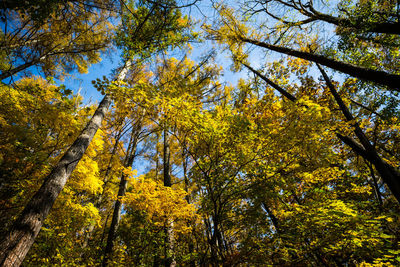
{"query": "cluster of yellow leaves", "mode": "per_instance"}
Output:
(161, 203)
(38, 121)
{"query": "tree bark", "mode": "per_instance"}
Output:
(19, 240)
(11, 72)
(379, 27)
(392, 81)
(388, 173)
(98, 200)
(116, 217)
(192, 262)
(314, 15)
(271, 83)
(16, 244)
(169, 237)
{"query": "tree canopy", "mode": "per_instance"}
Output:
(232, 133)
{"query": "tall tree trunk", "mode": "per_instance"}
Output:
(116, 217)
(169, 234)
(376, 187)
(157, 153)
(192, 263)
(16, 244)
(380, 77)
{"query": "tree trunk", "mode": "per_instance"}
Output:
(16, 244)
(116, 217)
(271, 83)
(380, 77)
(169, 238)
(18, 241)
(379, 27)
(192, 263)
(11, 72)
(98, 200)
(388, 173)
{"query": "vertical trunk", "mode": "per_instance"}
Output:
(116, 217)
(166, 160)
(16, 244)
(192, 263)
(157, 258)
(215, 242)
(376, 187)
(219, 243)
(157, 153)
(169, 237)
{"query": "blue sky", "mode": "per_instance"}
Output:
(82, 83)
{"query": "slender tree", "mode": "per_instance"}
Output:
(131, 154)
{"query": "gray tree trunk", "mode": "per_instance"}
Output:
(16, 244)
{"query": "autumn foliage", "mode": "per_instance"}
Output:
(286, 153)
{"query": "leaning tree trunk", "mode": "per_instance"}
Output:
(17, 242)
(8, 73)
(388, 173)
(392, 81)
(98, 201)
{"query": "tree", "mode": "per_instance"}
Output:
(30, 143)
(27, 226)
(362, 17)
(20, 238)
(131, 153)
(72, 36)
(234, 32)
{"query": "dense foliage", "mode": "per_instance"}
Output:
(297, 163)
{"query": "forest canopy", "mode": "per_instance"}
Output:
(228, 133)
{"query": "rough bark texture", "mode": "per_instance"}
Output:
(19, 240)
(380, 77)
(16, 244)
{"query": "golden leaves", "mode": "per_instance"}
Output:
(161, 203)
